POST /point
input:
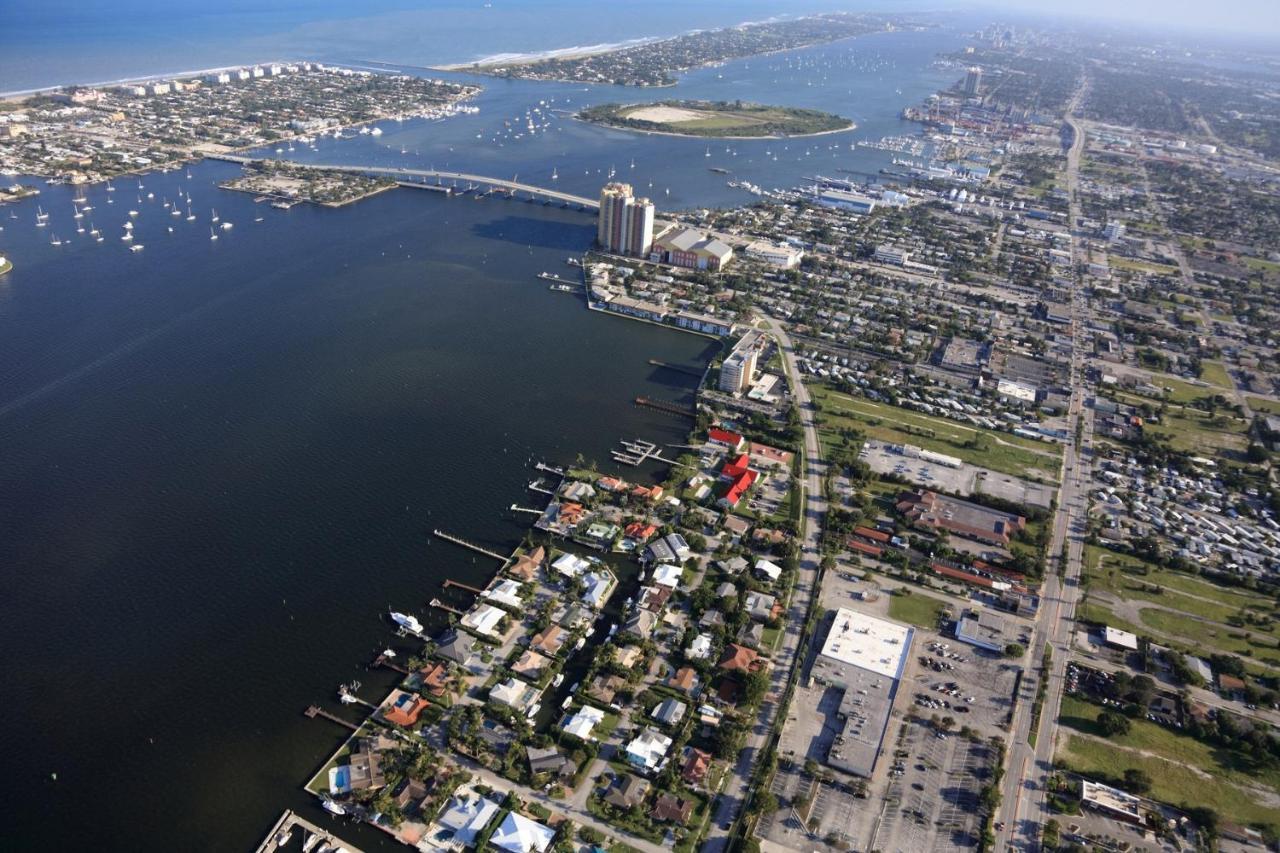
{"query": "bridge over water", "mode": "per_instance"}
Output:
(512, 185)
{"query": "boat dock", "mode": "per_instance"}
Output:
(678, 368)
(518, 508)
(536, 486)
(314, 711)
(559, 472)
(457, 540)
(440, 605)
(383, 660)
(665, 406)
(450, 582)
(281, 835)
(549, 276)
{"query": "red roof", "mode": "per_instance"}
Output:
(864, 548)
(960, 575)
(737, 467)
(739, 487)
(723, 436)
(874, 535)
(640, 531)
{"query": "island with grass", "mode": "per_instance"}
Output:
(716, 119)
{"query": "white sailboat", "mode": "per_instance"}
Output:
(214, 218)
(213, 235)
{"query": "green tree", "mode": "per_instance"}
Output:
(1110, 723)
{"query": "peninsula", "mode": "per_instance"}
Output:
(655, 63)
(719, 119)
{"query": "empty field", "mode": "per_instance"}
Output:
(715, 119)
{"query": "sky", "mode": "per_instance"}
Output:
(1253, 17)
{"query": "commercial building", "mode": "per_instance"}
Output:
(864, 656)
(973, 81)
(887, 254)
(845, 200)
(1117, 639)
(777, 254)
(1111, 801)
(685, 247)
(1114, 230)
(625, 224)
(932, 511)
(983, 629)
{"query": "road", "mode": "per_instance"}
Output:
(1023, 810)
(513, 184)
(786, 658)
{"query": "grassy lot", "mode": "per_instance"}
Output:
(916, 609)
(998, 451)
(1147, 267)
(1092, 611)
(1190, 431)
(1258, 404)
(1241, 641)
(1173, 781)
(1215, 373)
(1180, 390)
(1118, 573)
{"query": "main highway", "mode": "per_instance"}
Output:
(1023, 810)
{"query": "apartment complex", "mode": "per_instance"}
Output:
(625, 226)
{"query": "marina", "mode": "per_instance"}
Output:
(314, 839)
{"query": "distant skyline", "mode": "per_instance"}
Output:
(1257, 18)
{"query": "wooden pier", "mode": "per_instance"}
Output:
(383, 660)
(314, 711)
(665, 406)
(559, 472)
(678, 368)
(457, 540)
(450, 582)
(536, 486)
(440, 605)
(281, 835)
(518, 508)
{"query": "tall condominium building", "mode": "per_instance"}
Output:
(738, 371)
(625, 226)
(973, 81)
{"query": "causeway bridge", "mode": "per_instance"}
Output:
(408, 176)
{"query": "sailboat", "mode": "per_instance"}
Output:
(78, 214)
(191, 217)
(213, 235)
(55, 241)
(79, 228)
(555, 176)
(110, 188)
(708, 154)
(215, 215)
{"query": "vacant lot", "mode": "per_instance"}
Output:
(1004, 452)
(916, 609)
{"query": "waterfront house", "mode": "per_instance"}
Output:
(527, 565)
(504, 591)
(648, 750)
(403, 708)
(605, 688)
(576, 490)
(515, 694)
(732, 440)
(549, 641)
(458, 647)
(667, 574)
(434, 678)
(628, 657)
(611, 484)
(640, 531)
(583, 722)
(627, 792)
(365, 766)
(597, 535)
(598, 586)
(530, 666)
(653, 598)
(641, 624)
(646, 493)
(570, 565)
(484, 619)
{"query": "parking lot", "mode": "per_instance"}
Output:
(963, 480)
(949, 673)
(931, 802)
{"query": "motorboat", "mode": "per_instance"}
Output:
(406, 621)
(332, 808)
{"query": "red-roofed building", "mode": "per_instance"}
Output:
(740, 476)
(865, 548)
(646, 493)
(611, 484)
(870, 535)
(640, 531)
(933, 511)
(696, 765)
(739, 659)
(739, 466)
(404, 710)
(570, 513)
(731, 440)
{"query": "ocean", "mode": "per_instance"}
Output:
(220, 461)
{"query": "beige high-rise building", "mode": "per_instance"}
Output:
(625, 225)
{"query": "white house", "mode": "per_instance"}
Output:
(648, 750)
(518, 834)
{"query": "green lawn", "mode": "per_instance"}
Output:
(1215, 373)
(1241, 641)
(1258, 404)
(916, 609)
(1191, 431)
(1172, 782)
(1147, 267)
(1119, 574)
(998, 451)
